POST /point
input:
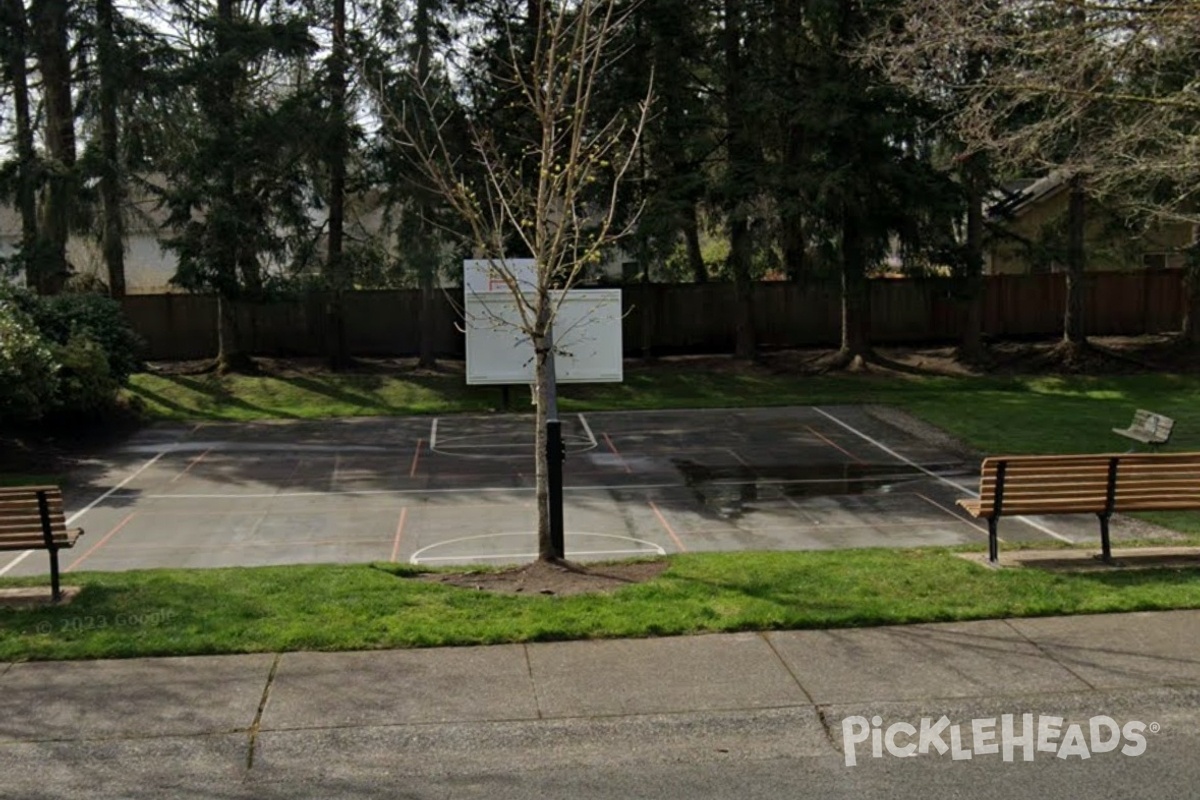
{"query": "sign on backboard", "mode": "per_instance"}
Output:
(587, 338)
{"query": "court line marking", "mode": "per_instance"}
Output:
(415, 558)
(930, 473)
(834, 444)
(71, 519)
(670, 531)
(608, 440)
(739, 458)
(412, 472)
(116, 529)
(603, 487)
(588, 429)
(191, 464)
(433, 434)
(399, 533)
(950, 511)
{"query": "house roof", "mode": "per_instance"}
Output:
(1016, 197)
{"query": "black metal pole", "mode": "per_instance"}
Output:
(555, 453)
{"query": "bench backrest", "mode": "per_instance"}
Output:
(1155, 426)
(1067, 484)
(21, 519)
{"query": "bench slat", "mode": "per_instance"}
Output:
(31, 490)
(13, 503)
(29, 522)
(65, 539)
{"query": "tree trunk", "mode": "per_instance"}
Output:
(739, 263)
(230, 355)
(1076, 221)
(648, 309)
(547, 399)
(741, 172)
(111, 181)
(1190, 332)
(795, 251)
(18, 77)
(423, 41)
(54, 64)
(335, 279)
(971, 343)
(691, 236)
(856, 300)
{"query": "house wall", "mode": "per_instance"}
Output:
(1109, 245)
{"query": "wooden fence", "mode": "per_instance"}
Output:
(683, 317)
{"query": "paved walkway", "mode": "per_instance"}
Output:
(245, 724)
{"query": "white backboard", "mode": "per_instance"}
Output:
(587, 337)
(482, 276)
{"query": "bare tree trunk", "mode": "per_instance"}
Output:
(1073, 334)
(856, 301)
(741, 169)
(18, 77)
(230, 355)
(112, 185)
(54, 62)
(691, 237)
(971, 344)
(1190, 333)
(423, 38)
(546, 403)
(335, 265)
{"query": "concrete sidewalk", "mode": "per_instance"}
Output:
(253, 724)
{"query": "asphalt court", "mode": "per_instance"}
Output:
(460, 489)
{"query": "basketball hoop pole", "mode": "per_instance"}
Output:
(555, 453)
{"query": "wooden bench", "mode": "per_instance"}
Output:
(1084, 484)
(31, 518)
(1147, 428)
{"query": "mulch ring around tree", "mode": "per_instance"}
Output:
(550, 578)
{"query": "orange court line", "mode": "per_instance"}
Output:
(100, 543)
(670, 531)
(193, 463)
(834, 444)
(613, 447)
(412, 473)
(399, 533)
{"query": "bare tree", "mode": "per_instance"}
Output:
(1104, 91)
(556, 196)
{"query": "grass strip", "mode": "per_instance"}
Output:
(329, 608)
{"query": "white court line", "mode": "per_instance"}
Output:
(433, 434)
(932, 474)
(603, 487)
(71, 519)
(588, 429)
(522, 556)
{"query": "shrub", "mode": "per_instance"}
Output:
(96, 318)
(86, 385)
(28, 370)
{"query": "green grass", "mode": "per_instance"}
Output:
(173, 612)
(1013, 415)
(25, 479)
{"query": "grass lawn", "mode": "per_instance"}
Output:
(1012, 414)
(173, 612)
(24, 479)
